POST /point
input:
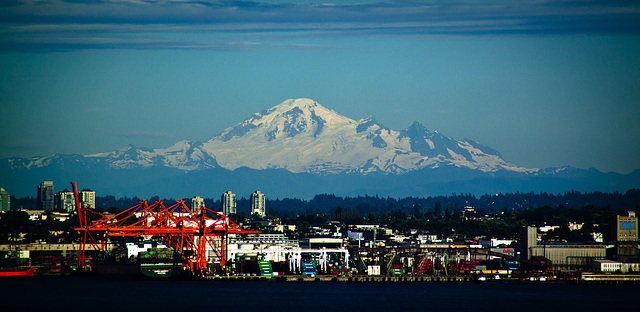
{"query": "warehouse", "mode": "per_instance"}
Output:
(571, 257)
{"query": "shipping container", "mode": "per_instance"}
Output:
(309, 269)
(373, 270)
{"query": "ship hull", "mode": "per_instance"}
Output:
(117, 269)
(28, 272)
(160, 270)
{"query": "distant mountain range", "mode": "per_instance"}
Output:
(298, 149)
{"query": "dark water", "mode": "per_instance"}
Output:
(76, 293)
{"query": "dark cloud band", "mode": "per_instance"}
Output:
(137, 24)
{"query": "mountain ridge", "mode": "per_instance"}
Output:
(300, 135)
(306, 140)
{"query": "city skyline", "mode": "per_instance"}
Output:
(47, 198)
(546, 84)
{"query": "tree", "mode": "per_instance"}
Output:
(447, 214)
(14, 223)
(338, 213)
(417, 211)
(437, 211)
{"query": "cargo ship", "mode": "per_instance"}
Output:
(116, 270)
(160, 262)
(144, 259)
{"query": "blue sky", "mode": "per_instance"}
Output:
(546, 83)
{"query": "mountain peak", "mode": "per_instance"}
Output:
(366, 123)
(288, 119)
(291, 106)
(308, 109)
(300, 103)
(416, 126)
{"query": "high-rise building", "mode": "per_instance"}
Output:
(258, 204)
(228, 203)
(5, 200)
(46, 200)
(196, 203)
(530, 239)
(88, 198)
(627, 228)
(65, 201)
(626, 233)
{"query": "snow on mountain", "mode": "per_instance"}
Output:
(182, 155)
(297, 135)
(39, 162)
(300, 135)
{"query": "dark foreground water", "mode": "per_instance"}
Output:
(85, 293)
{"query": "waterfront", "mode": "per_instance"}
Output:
(98, 294)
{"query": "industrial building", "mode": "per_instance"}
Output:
(626, 234)
(563, 256)
(570, 257)
(622, 254)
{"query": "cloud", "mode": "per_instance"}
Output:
(135, 24)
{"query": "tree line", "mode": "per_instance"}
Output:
(326, 203)
(442, 215)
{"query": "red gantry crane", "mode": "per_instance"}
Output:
(201, 239)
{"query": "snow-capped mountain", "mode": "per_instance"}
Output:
(298, 149)
(182, 155)
(300, 135)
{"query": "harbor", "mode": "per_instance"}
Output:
(178, 242)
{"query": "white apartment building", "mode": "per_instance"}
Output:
(196, 203)
(65, 201)
(258, 203)
(88, 198)
(228, 203)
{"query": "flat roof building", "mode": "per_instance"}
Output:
(65, 201)
(626, 232)
(196, 203)
(46, 198)
(258, 204)
(228, 200)
(88, 198)
(602, 265)
(5, 200)
(320, 242)
(570, 257)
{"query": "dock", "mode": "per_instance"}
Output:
(333, 278)
(595, 278)
(586, 279)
